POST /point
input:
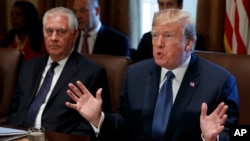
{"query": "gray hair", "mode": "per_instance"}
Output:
(177, 16)
(62, 11)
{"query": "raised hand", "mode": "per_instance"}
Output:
(211, 125)
(86, 104)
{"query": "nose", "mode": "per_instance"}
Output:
(160, 42)
(54, 36)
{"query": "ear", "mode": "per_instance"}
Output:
(75, 33)
(98, 10)
(189, 45)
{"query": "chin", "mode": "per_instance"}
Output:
(160, 62)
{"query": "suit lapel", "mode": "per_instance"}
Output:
(36, 77)
(151, 92)
(97, 44)
(185, 94)
(68, 71)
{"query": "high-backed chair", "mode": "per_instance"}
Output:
(115, 67)
(10, 62)
(239, 66)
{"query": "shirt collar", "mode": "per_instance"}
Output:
(178, 72)
(61, 62)
(95, 30)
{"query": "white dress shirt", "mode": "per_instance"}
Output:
(91, 39)
(179, 74)
(57, 72)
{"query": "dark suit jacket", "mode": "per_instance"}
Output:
(56, 116)
(145, 47)
(109, 42)
(202, 82)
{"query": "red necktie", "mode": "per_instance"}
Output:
(85, 46)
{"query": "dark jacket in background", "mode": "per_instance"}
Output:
(109, 42)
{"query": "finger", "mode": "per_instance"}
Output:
(223, 110)
(70, 105)
(220, 129)
(99, 94)
(223, 119)
(72, 95)
(219, 108)
(203, 110)
(75, 90)
(82, 87)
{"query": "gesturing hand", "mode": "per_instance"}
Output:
(211, 125)
(86, 104)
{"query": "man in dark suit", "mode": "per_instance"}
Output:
(102, 39)
(145, 47)
(204, 96)
(60, 32)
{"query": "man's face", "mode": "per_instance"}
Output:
(165, 4)
(170, 47)
(86, 14)
(59, 40)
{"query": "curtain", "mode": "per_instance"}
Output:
(210, 23)
(135, 22)
(3, 21)
(115, 13)
(44, 5)
(124, 16)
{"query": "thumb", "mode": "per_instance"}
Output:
(203, 110)
(99, 94)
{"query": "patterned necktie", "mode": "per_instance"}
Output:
(162, 109)
(40, 97)
(85, 46)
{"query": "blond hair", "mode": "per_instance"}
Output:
(177, 16)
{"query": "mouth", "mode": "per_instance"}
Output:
(54, 46)
(159, 55)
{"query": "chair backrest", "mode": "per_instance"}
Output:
(239, 66)
(115, 67)
(10, 62)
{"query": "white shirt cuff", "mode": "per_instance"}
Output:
(205, 140)
(97, 130)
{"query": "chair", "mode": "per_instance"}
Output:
(115, 67)
(10, 62)
(239, 66)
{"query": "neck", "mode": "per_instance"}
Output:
(22, 36)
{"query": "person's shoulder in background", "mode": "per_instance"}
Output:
(145, 48)
(114, 40)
